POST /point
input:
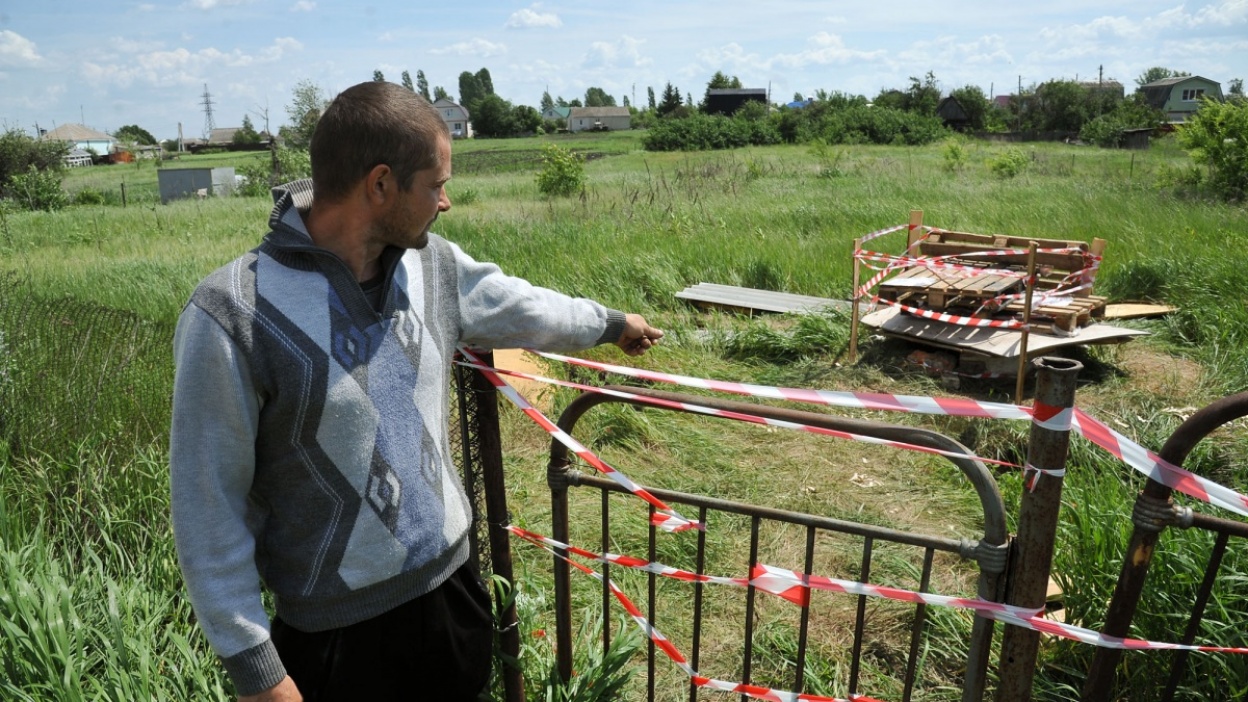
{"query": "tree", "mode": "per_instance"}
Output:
(1157, 73)
(597, 97)
(378, 76)
(560, 102)
(547, 101)
(247, 133)
(923, 96)
(484, 80)
(305, 108)
(474, 87)
(670, 101)
(1235, 89)
(650, 96)
(422, 85)
(439, 93)
(974, 103)
(407, 81)
(134, 134)
(1058, 106)
(492, 117)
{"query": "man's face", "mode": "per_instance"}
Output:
(408, 223)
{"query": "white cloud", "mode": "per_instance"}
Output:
(1229, 13)
(625, 53)
(530, 17)
(131, 46)
(303, 6)
(17, 50)
(476, 47)
(989, 50)
(146, 7)
(212, 4)
(181, 66)
(827, 49)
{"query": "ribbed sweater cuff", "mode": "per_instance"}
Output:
(615, 327)
(256, 669)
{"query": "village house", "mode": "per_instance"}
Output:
(1180, 97)
(600, 119)
(80, 141)
(456, 118)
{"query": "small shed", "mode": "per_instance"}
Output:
(178, 183)
(1136, 138)
(951, 112)
(726, 101)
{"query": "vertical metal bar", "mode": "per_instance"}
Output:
(650, 585)
(490, 442)
(697, 603)
(749, 606)
(1037, 520)
(605, 529)
(916, 632)
(864, 576)
(1198, 613)
(556, 477)
(805, 623)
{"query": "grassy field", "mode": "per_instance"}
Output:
(89, 591)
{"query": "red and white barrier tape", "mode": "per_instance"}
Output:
(738, 416)
(795, 587)
(665, 517)
(959, 320)
(1126, 450)
(668, 648)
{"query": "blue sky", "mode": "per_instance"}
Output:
(108, 63)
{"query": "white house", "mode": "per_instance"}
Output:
(599, 118)
(456, 118)
(84, 138)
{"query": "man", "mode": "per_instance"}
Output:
(309, 442)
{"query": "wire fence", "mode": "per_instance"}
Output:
(73, 372)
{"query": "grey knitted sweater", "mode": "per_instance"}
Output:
(309, 442)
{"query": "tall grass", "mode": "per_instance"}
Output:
(90, 597)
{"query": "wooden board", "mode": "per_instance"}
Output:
(1137, 310)
(987, 341)
(749, 299)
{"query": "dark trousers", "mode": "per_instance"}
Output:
(436, 647)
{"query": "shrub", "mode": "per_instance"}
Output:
(18, 153)
(955, 155)
(563, 171)
(700, 132)
(89, 196)
(292, 164)
(1009, 163)
(1217, 137)
(37, 190)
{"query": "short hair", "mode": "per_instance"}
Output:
(369, 124)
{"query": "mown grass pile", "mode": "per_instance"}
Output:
(91, 605)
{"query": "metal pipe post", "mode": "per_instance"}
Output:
(1032, 557)
(490, 442)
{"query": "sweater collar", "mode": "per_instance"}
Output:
(290, 202)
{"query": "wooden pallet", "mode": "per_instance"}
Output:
(959, 293)
(1064, 315)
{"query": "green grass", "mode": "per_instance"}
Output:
(90, 597)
